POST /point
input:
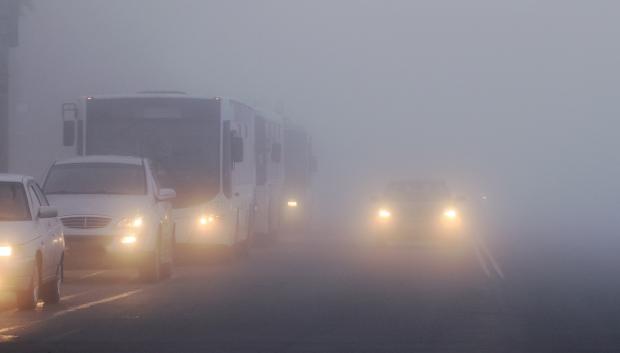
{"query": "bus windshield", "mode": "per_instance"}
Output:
(180, 135)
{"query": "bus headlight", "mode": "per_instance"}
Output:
(6, 251)
(131, 222)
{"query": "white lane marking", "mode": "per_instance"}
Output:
(491, 258)
(12, 328)
(90, 275)
(71, 310)
(481, 261)
(63, 335)
(96, 302)
(73, 296)
(64, 298)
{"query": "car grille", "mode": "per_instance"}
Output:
(85, 222)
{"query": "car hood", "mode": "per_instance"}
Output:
(102, 205)
(17, 232)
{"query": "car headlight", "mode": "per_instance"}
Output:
(384, 214)
(450, 214)
(6, 251)
(207, 219)
(292, 203)
(131, 222)
(129, 239)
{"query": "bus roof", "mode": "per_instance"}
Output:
(102, 159)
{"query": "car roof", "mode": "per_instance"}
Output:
(13, 178)
(103, 159)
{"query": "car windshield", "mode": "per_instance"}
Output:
(417, 192)
(13, 202)
(96, 178)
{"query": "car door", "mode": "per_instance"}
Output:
(44, 230)
(163, 210)
(58, 243)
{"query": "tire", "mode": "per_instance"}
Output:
(168, 268)
(151, 269)
(28, 299)
(50, 292)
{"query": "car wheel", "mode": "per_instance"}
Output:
(151, 268)
(167, 268)
(50, 292)
(28, 299)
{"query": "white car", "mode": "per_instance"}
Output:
(114, 213)
(31, 243)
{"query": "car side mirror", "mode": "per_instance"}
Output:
(237, 149)
(276, 152)
(166, 194)
(47, 212)
(68, 133)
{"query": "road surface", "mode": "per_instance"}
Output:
(323, 297)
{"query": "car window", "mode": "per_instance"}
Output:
(96, 178)
(13, 202)
(35, 198)
(40, 195)
(154, 170)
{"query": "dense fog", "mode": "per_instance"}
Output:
(513, 100)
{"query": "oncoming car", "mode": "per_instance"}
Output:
(31, 243)
(114, 213)
(417, 209)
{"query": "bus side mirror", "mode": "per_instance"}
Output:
(69, 116)
(68, 133)
(276, 152)
(237, 149)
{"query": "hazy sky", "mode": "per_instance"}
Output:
(517, 99)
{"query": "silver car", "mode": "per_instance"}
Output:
(31, 243)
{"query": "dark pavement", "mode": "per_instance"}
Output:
(324, 297)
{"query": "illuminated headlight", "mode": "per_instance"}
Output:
(129, 239)
(450, 214)
(6, 251)
(135, 222)
(205, 220)
(384, 214)
(292, 203)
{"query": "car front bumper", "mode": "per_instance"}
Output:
(103, 251)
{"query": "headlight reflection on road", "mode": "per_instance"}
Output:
(129, 239)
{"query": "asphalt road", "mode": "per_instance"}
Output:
(473, 296)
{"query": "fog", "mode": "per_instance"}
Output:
(514, 100)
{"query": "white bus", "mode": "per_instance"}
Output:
(204, 148)
(269, 175)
